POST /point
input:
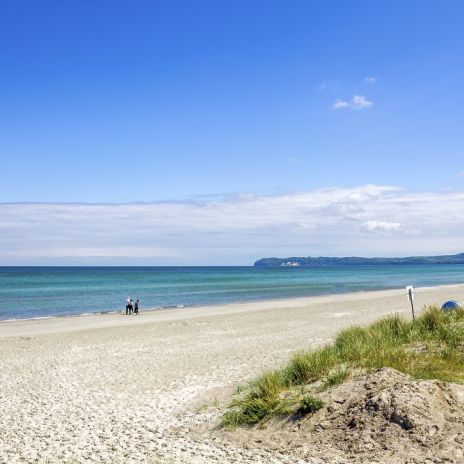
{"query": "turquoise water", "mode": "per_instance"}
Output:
(27, 292)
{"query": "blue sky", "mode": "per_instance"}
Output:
(200, 103)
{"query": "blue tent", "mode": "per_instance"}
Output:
(450, 305)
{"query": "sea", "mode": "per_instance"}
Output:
(38, 292)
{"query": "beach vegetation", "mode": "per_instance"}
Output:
(430, 347)
(335, 377)
(309, 404)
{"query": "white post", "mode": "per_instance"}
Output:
(410, 292)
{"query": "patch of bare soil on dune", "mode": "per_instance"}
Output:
(383, 417)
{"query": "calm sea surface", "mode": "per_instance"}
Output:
(27, 292)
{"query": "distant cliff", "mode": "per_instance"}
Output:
(332, 261)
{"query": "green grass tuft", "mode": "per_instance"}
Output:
(309, 405)
(268, 385)
(336, 377)
(431, 347)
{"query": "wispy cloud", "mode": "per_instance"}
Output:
(357, 102)
(321, 87)
(329, 86)
(367, 220)
(370, 79)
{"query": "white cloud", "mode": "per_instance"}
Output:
(357, 102)
(340, 104)
(380, 226)
(370, 79)
(360, 102)
(235, 230)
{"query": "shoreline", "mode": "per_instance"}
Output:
(70, 293)
(109, 319)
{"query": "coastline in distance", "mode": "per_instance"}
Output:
(353, 260)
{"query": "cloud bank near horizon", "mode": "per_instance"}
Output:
(370, 220)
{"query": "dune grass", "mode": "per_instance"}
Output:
(431, 347)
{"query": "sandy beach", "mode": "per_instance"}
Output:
(150, 388)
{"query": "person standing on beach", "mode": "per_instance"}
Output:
(136, 307)
(128, 302)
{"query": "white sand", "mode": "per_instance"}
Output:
(128, 389)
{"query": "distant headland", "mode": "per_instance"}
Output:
(354, 260)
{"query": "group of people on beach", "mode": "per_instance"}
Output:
(132, 307)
